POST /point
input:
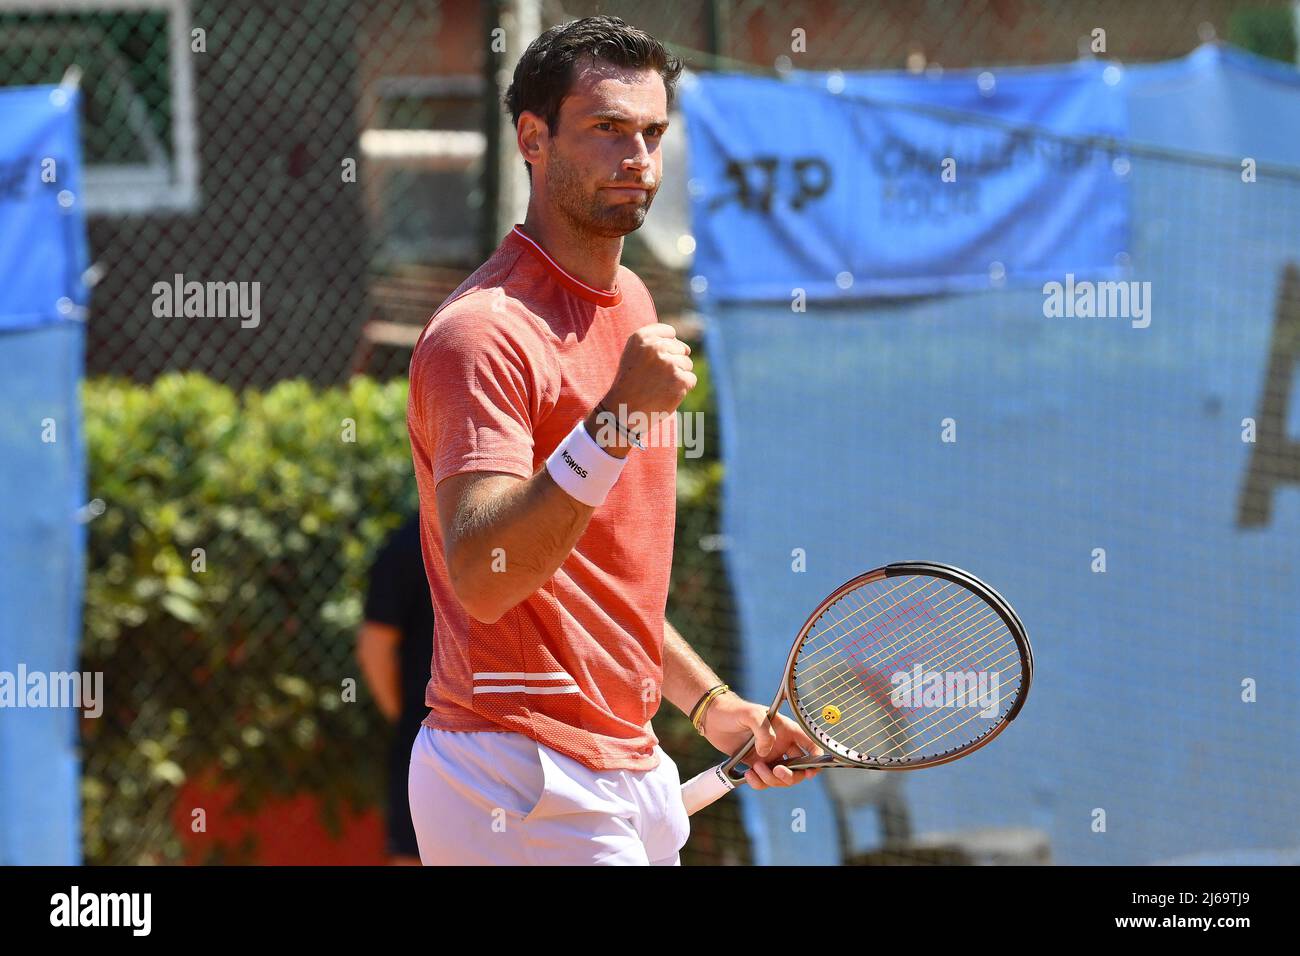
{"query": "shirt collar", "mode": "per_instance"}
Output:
(601, 297)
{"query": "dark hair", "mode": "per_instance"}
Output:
(544, 74)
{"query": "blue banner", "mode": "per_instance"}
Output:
(42, 229)
(1133, 489)
(42, 470)
(849, 186)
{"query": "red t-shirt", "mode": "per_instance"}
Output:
(514, 358)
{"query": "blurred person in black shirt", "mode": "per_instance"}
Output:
(394, 646)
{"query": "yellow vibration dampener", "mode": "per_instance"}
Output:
(830, 714)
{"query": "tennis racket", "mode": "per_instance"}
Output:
(910, 665)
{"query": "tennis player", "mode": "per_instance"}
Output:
(547, 532)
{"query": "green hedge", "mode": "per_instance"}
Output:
(239, 668)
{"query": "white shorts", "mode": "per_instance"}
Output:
(502, 799)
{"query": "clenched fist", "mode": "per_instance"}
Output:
(654, 373)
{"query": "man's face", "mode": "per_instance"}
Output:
(602, 168)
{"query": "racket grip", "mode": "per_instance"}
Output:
(706, 788)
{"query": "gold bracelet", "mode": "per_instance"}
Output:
(702, 701)
(697, 712)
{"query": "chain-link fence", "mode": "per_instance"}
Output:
(1163, 449)
(331, 162)
(914, 34)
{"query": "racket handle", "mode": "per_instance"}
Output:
(706, 788)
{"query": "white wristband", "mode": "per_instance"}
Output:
(584, 469)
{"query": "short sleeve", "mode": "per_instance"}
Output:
(480, 378)
(384, 604)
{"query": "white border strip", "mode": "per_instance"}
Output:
(524, 689)
(522, 675)
(568, 687)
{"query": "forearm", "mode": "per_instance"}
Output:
(686, 677)
(512, 542)
(377, 655)
(512, 537)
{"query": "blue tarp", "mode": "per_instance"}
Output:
(42, 464)
(1073, 435)
(40, 184)
(854, 185)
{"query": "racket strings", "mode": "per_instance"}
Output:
(850, 674)
(837, 667)
(826, 679)
(830, 645)
(934, 721)
(841, 680)
(830, 649)
(930, 722)
(964, 641)
(829, 659)
(935, 727)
